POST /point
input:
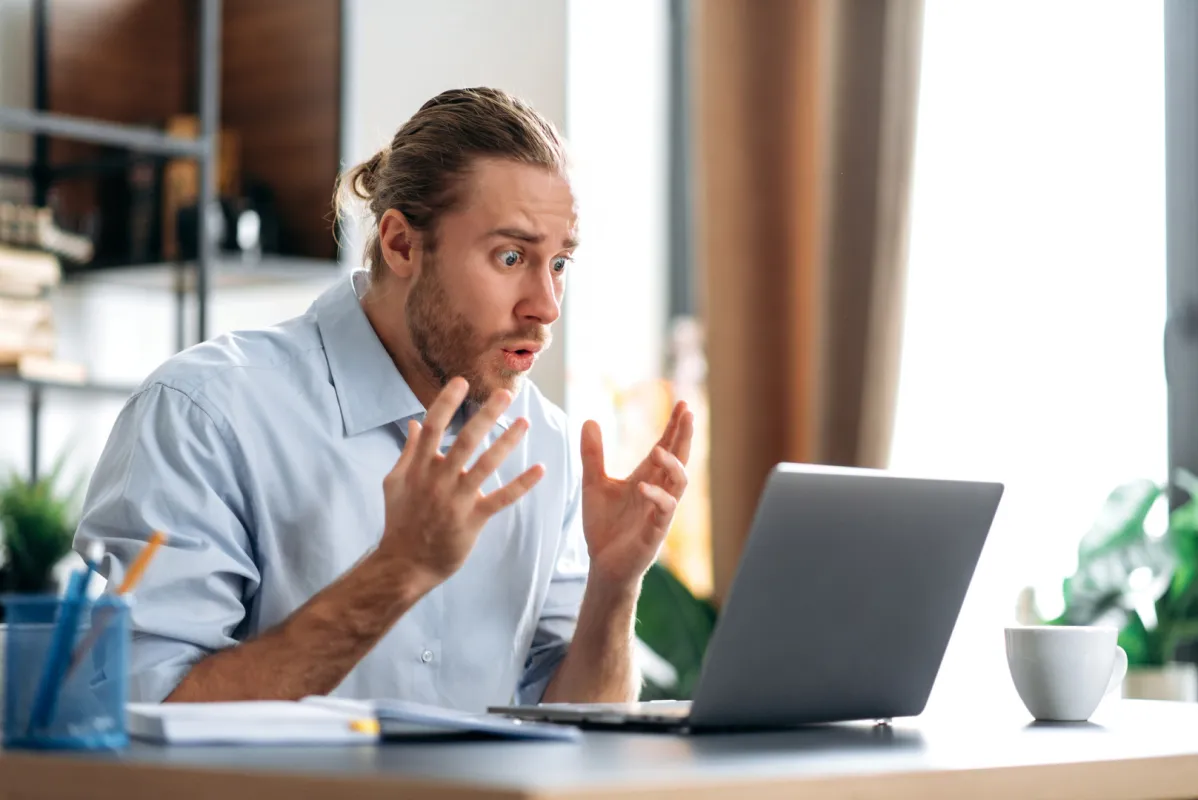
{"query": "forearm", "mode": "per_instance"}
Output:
(312, 651)
(598, 667)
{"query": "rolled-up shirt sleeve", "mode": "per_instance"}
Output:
(559, 614)
(169, 465)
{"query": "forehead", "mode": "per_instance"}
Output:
(506, 193)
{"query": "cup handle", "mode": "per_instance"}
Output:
(1119, 671)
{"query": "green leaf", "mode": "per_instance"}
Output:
(37, 527)
(1183, 534)
(1137, 642)
(1120, 521)
(1181, 603)
(676, 625)
(1116, 546)
(1175, 635)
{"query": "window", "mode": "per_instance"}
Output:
(1036, 291)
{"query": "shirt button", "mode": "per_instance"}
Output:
(426, 656)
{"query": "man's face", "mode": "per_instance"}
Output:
(483, 300)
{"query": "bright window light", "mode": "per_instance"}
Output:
(1036, 292)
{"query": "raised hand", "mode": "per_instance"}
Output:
(435, 507)
(626, 520)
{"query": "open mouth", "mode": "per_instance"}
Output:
(519, 359)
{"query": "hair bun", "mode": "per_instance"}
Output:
(366, 181)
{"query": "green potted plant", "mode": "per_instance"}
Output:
(37, 525)
(672, 628)
(1145, 583)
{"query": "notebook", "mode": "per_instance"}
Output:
(323, 720)
(257, 722)
(404, 719)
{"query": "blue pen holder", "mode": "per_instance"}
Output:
(45, 708)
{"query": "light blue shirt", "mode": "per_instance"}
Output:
(262, 455)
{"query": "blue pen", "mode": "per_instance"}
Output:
(46, 700)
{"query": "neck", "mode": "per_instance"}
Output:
(384, 308)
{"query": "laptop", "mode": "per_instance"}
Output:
(847, 592)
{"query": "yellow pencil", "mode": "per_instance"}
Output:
(136, 570)
(140, 563)
(365, 726)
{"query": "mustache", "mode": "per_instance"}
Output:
(539, 334)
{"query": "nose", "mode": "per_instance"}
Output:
(542, 302)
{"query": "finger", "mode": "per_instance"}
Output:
(682, 440)
(473, 431)
(592, 453)
(674, 478)
(409, 447)
(661, 501)
(500, 499)
(438, 417)
(667, 436)
(648, 468)
(490, 460)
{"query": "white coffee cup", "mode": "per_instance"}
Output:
(1063, 672)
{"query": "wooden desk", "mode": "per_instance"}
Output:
(1132, 749)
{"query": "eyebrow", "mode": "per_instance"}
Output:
(522, 235)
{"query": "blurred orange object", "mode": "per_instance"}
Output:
(642, 412)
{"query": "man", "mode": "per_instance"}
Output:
(370, 500)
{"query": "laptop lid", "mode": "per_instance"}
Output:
(847, 592)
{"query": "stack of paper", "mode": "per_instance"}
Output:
(401, 718)
(265, 722)
(324, 720)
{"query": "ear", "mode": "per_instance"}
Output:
(400, 244)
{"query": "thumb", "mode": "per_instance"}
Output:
(592, 453)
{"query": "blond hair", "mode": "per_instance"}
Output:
(419, 172)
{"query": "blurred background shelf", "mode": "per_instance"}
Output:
(12, 380)
(94, 131)
(226, 271)
(195, 158)
(36, 389)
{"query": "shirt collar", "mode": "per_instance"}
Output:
(370, 389)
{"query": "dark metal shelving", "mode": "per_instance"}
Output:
(45, 125)
(130, 137)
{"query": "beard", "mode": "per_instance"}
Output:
(450, 345)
